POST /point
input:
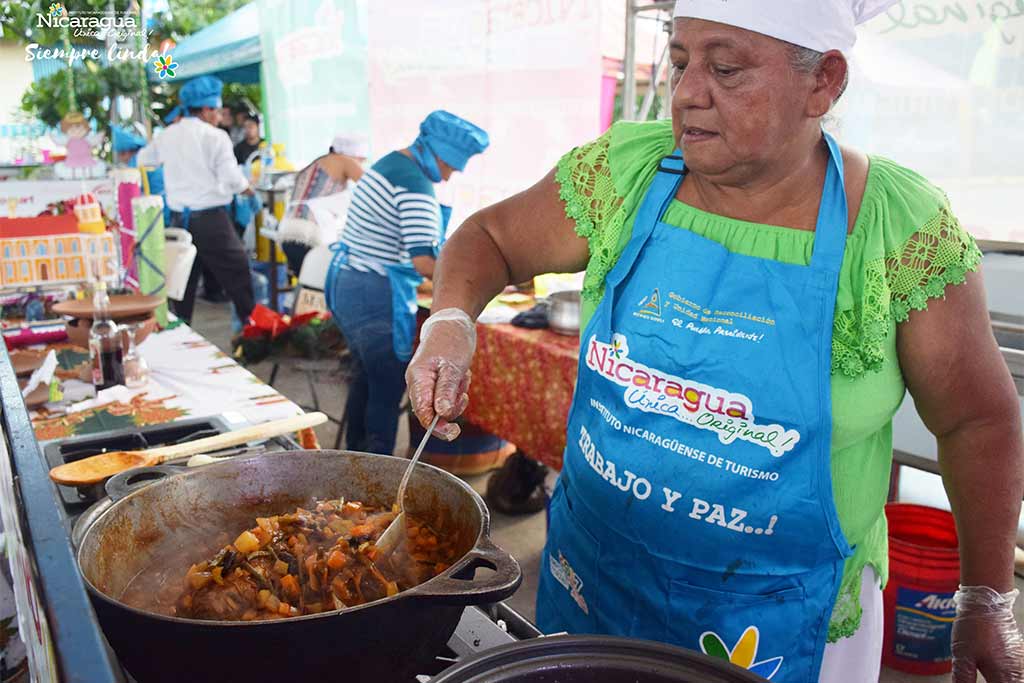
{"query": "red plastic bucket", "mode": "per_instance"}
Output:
(924, 573)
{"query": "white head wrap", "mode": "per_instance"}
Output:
(820, 25)
(351, 146)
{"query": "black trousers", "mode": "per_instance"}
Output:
(220, 250)
(211, 287)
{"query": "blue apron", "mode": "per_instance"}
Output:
(695, 505)
(186, 214)
(338, 261)
(403, 279)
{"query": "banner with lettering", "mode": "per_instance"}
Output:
(27, 198)
(314, 72)
(529, 73)
(938, 85)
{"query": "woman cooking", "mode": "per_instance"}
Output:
(757, 300)
(390, 241)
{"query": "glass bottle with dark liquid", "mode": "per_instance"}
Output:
(105, 351)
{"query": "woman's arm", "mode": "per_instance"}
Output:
(966, 397)
(508, 242)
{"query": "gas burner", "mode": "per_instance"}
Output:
(480, 629)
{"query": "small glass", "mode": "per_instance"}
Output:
(136, 370)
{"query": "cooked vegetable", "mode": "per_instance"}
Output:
(247, 542)
(310, 561)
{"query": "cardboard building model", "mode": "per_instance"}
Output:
(52, 250)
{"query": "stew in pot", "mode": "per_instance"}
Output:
(306, 562)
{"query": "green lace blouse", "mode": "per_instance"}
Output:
(905, 248)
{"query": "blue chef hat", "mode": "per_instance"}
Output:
(201, 92)
(453, 139)
(173, 114)
(126, 140)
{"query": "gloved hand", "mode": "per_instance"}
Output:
(438, 375)
(985, 637)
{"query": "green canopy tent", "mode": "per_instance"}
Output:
(310, 58)
(228, 49)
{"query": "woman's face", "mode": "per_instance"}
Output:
(736, 101)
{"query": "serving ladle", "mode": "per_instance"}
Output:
(395, 532)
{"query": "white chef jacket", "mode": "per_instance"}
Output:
(200, 171)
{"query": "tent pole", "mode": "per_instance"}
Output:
(629, 65)
(633, 10)
(264, 102)
(652, 89)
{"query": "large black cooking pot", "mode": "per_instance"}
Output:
(176, 521)
(587, 659)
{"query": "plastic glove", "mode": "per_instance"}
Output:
(985, 637)
(438, 375)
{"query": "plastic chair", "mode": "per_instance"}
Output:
(314, 268)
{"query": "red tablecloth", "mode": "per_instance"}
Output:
(522, 387)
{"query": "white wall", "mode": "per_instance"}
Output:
(939, 87)
(529, 73)
(15, 77)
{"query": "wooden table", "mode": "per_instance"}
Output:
(189, 377)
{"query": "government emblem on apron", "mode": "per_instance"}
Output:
(742, 654)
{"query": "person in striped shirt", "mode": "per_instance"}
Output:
(389, 244)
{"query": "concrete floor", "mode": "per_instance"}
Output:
(523, 537)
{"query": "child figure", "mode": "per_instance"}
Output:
(79, 162)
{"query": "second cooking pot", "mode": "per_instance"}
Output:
(564, 312)
(589, 659)
(170, 524)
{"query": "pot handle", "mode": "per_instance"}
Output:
(123, 483)
(461, 587)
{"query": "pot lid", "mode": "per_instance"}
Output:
(583, 659)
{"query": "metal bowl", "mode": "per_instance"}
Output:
(564, 313)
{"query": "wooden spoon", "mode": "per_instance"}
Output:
(96, 468)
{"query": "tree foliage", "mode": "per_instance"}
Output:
(47, 98)
(96, 85)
